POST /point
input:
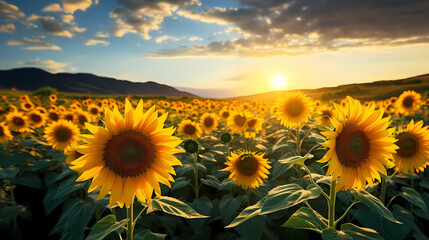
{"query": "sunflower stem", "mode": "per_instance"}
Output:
(346, 212)
(196, 176)
(130, 225)
(298, 140)
(331, 204)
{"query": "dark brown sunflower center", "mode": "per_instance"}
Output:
(327, 114)
(68, 117)
(189, 129)
(62, 134)
(408, 145)
(294, 107)
(27, 105)
(35, 118)
(247, 165)
(129, 153)
(251, 123)
(82, 119)
(408, 102)
(53, 116)
(352, 146)
(208, 122)
(225, 114)
(18, 121)
(93, 111)
(240, 120)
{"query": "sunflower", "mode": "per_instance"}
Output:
(237, 121)
(189, 128)
(254, 123)
(294, 109)
(62, 135)
(247, 169)
(53, 98)
(82, 117)
(409, 102)
(413, 152)
(72, 155)
(27, 106)
(5, 134)
(69, 116)
(94, 110)
(128, 156)
(224, 114)
(36, 119)
(327, 113)
(53, 116)
(17, 121)
(360, 146)
(209, 122)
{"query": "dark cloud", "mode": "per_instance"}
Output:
(50, 25)
(274, 27)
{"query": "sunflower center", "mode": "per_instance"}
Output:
(69, 117)
(35, 118)
(294, 107)
(208, 122)
(352, 146)
(251, 123)
(408, 102)
(189, 129)
(129, 153)
(63, 134)
(27, 105)
(93, 111)
(82, 119)
(53, 116)
(408, 145)
(225, 114)
(18, 121)
(327, 114)
(240, 120)
(247, 165)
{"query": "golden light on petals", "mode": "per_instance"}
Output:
(62, 135)
(408, 102)
(5, 134)
(189, 129)
(294, 109)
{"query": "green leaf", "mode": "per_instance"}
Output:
(296, 159)
(228, 206)
(9, 173)
(180, 182)
(30, 180)
(352, 232)
(68, 186)
(373, 203)
(305, 218)
(289, 195)
(415, 198)
(105, 226)
(49, 201)
(247, 213)
(8, 213)
(211, 181)
(279, 169)
(175, 207)
(147, 234)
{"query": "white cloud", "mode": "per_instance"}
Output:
(55, 7)
(70, 6)
(8, 28)
(50, 65)
(166, 38)
(102, 34)
(192, 39)
(68, 18)
(10, 11)
(93, 42)
(33, 44)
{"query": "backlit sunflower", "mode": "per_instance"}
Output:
(360, 146)
(69, 116)
(53, 98)
(5, 134)
(81, 118)
(209, 122)
(237, 121)
(253, 126)
(247, 169)
(224, 114)
(129, 156)
(62, 135)
(189, 129)
(27, 106)
(53, 116)
(326, 113)
(413, 152)
(36, 118)
(408, 102)
(294, 109)
(72, 155)
(94, 110)
(17, 121)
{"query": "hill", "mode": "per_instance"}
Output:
(378, 90)
(30, 79)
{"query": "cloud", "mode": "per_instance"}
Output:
(50, 25)
(50, 65)
(272, 27)
(70, 6)
(55, 7)
(141, 17)
(102, 34)
(192, 39)
(10, 11)
(166, 38)
(93, 42)
(33, 44)
(8, 28)
(68, 18)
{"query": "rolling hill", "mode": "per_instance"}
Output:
(30, 79)
(378, 90)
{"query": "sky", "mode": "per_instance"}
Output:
(220, 48)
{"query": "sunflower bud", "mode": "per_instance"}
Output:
(226, 137)
(190, 146)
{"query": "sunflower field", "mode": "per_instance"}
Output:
(82, 167)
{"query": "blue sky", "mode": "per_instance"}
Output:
(219, 48)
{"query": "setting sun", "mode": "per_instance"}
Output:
(278, 81)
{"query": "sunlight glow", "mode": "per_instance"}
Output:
(278, 81)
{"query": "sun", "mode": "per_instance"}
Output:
(278, 81)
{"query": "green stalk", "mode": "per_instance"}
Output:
(298, 141)
(331, 204)
(196, 176)
(130, 225)
(345, 213)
